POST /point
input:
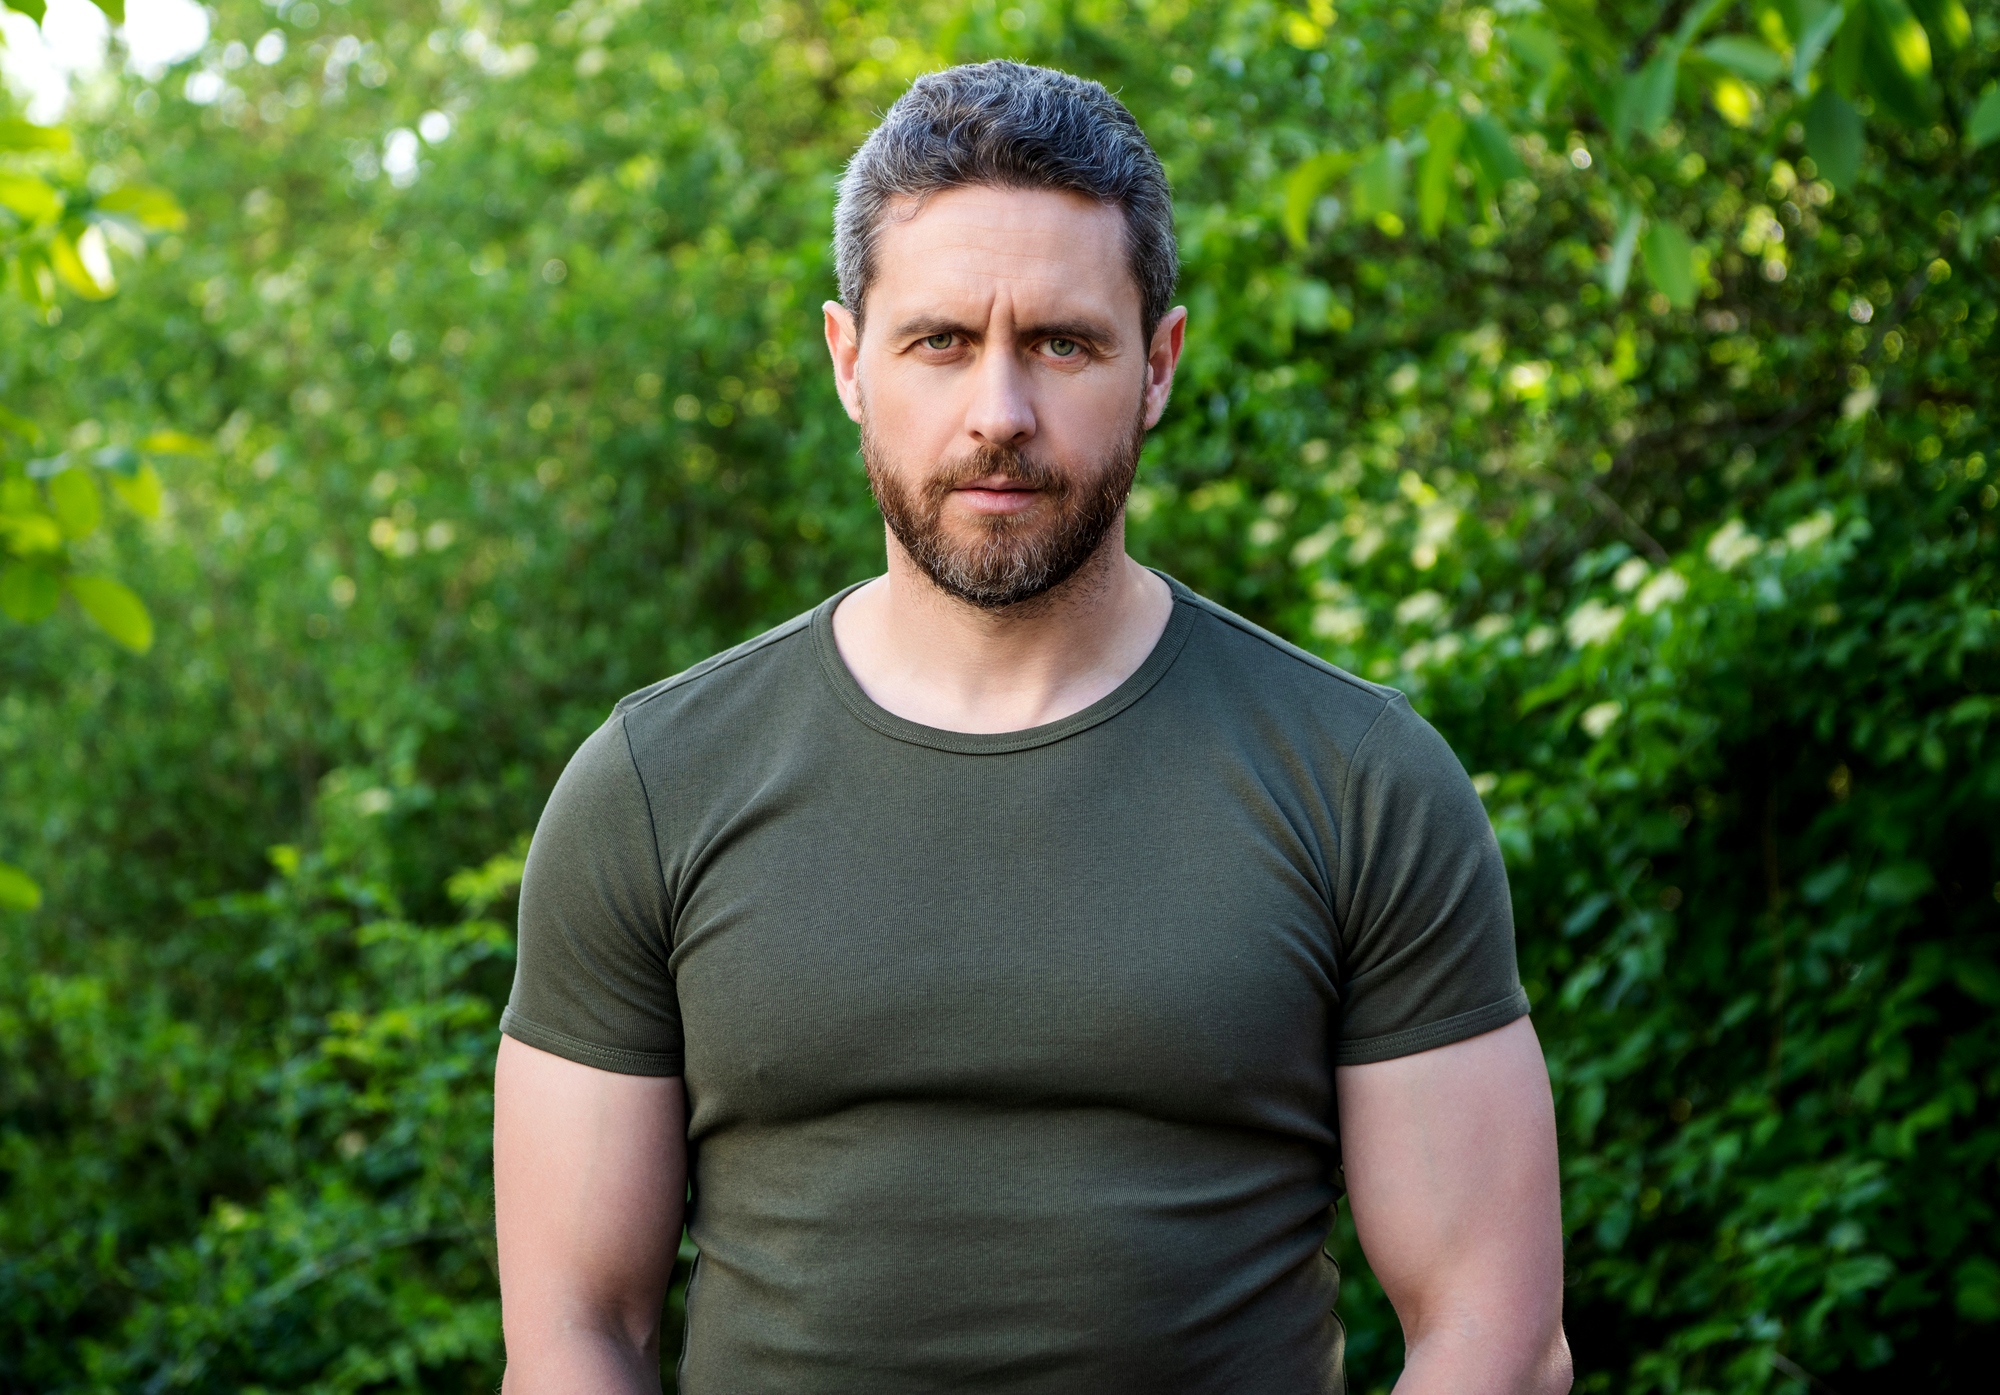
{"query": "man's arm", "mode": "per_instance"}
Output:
(589, 1180)
(1451, 1173)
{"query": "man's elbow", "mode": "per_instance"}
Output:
(1556, 1371)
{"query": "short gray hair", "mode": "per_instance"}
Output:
(1015, 127)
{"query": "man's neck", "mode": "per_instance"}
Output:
(933, 659)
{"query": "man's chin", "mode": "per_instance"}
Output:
(966, 523)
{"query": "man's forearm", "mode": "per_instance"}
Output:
(579, 1361)
(1454, 1363)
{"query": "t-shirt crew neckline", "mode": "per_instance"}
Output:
(969, 743)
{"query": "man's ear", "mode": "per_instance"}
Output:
(843, 344)
(1163, 355)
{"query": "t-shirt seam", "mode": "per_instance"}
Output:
(1354, 761)
(1515, 1001)
(652, 835)
(512, 1017)
(1298, 656)
(858, 704)
(1347, 773)
(798, 624)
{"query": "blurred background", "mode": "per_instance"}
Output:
(386, 388)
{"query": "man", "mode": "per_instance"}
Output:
(1003, 960)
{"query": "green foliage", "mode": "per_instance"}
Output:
(53, 229)
(1610, 378)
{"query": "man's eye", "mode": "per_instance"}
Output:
(940, 342)
(1063, 348)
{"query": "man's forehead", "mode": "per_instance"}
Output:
(1049, 253)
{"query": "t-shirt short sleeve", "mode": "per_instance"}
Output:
(592, 981)
(1426, 923)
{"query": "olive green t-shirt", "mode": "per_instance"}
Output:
(1009, 1058)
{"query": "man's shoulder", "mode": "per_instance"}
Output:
(762, 685)
(1262, 662)
(749, 663)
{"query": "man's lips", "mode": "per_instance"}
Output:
(996, 494)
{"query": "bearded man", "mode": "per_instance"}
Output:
(1005, 968)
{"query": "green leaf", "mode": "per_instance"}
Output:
(1907, 41)
(1745, 57)
(1696, 20)
(114, 10)
(28, 593)
(1669, 258)
(115, 609)
(1976, 1285)
(1646, 98)
(1303, 186)
(1983, 126)
(1560, 686)
(25, 135)
(1818, 886)
(34, 199)
(1376, 186)
(1978, 979)
(477, 888)
(1895, 61)
(33, 9)
(1493, 157)
(141, 491)
(71, 271)
(30, 533)
(1945, 21)
(36, 281)
(18, 891)
(145, 205)
(170, 442)
(1618, 270)
(1899, 883)
(1536, 45)
(20, 426)
(1406, 104)
(1577, 18)
(1834, 138)
(1445, 131)
(78, 506)
(1819, 29)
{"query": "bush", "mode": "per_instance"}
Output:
(1611, 381)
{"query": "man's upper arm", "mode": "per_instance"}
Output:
(589, 1180)
(1447, 1129)
(1420, 896)
(593, 981)
(1450, 1157)
(590, 1115)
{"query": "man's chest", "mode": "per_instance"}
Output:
(1144, 936)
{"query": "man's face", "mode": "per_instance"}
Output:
(1002, 385)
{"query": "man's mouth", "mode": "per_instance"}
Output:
(996, 494)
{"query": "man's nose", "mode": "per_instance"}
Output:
(1002, 411)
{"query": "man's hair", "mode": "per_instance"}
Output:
(1015, 127)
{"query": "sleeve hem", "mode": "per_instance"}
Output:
(587, 1053)
(1452, 1029)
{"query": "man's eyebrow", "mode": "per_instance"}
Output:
(1090, 331)
(923, 326)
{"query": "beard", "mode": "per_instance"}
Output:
(1010, 558)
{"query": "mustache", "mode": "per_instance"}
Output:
(1005, 462)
